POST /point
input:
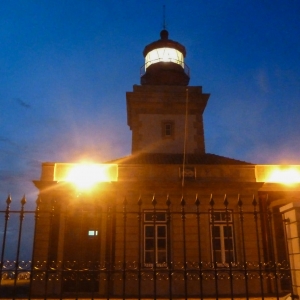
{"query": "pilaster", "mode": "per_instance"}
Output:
(291, 217)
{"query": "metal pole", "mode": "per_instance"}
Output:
(8, 202)
(23, 202)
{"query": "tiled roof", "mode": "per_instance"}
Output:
(162, 158)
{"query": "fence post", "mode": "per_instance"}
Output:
(8, 202)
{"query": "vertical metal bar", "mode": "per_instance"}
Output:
(80, 265)
(8, 202)
(124, 248)
(245, 267)
(47, 271)
(274, 263)
(255, 213)
(154, 202)
(215, 264)
(227, 213)
(266, 244)
(23, 202)
(94, 265)
(36, 218)
(288, 267)
(139, 248)
(169, 262)
(99, 245)
(108, 266)
(65, 270)
(197, 203)
(182, 203)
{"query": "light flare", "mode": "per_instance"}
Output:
(285, 176)
(86, 175)
(282, 174)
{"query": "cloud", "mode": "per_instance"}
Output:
(22, 103)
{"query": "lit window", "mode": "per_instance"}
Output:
(222, 238)
(155, 239)
(93, 233)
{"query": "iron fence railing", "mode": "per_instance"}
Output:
(142, 249)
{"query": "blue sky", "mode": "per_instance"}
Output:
(65, 67)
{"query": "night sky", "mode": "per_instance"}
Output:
(66, 66)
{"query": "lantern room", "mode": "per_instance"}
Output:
(164, 63)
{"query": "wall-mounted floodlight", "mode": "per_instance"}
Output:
(85, 175)
(284, 174)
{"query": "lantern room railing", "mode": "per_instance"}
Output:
(184, 66)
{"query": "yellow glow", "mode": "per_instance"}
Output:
(287, 176)
(165, 55)
(85, 176)
(278, 174)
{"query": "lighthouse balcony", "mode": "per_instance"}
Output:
(162, 72)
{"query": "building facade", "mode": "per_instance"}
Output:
(177, 222)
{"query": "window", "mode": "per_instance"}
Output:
(168, 129)
(155, 238)
(222, 238)
(92, 232)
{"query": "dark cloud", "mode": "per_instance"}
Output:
(22, 103)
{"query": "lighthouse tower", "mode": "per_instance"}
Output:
(163, 112)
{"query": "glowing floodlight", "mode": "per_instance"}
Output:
(85, 176)
(285, 174)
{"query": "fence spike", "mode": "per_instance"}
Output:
(225, 201)
(38, 200)
(254, 202)
(8, 200)
(23, 200)
(240, 202)
(154, 202)
(140, 201)
(197, 201)
(182, 202)
(211, 201)
(168, 202)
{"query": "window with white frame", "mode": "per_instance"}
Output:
(222, 236)
(155, 238)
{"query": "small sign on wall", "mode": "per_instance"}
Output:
(187, 172)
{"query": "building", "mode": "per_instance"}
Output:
(178, 221)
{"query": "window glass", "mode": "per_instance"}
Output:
(92, 232)
(164, 55)
(222, 239)
(167, 129)
(155, 238)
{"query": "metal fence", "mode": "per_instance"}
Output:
(146, 249)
